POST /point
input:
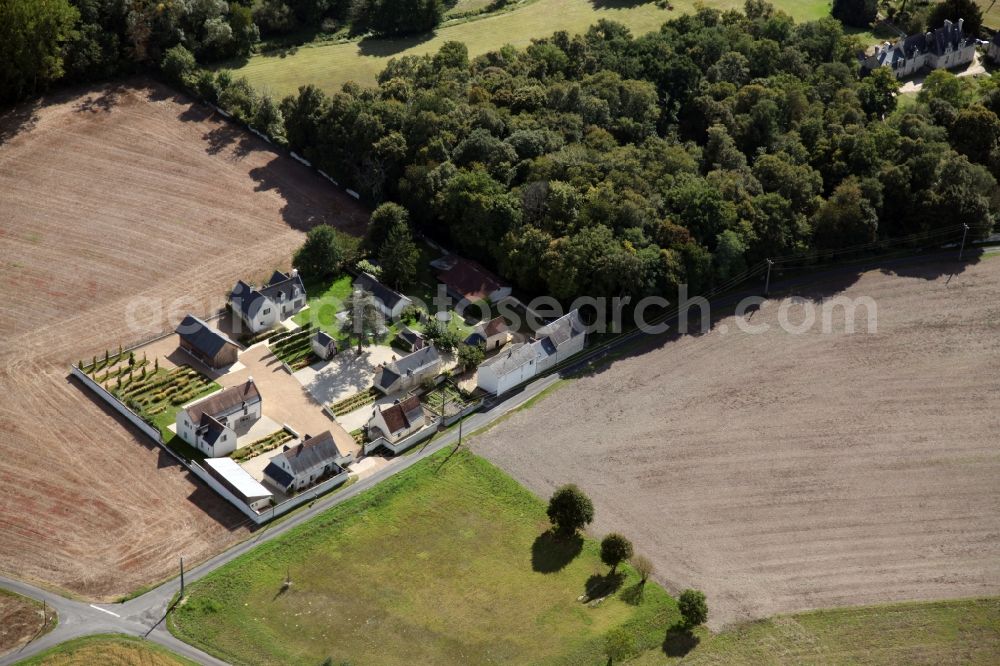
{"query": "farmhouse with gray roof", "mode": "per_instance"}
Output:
(213, 424)
(314, 459)
(260, 309)
(409, 371)
(943, 48)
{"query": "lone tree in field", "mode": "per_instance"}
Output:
(694, 610)
(321, 255)
(614, 549)
(856, 13)
(362, 316)
(644, 566)
(570, 510)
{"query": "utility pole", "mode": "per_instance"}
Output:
(767, 282)
(965, 232)
(182, 578)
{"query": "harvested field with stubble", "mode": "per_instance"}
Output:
(787, 472)
(110, 194)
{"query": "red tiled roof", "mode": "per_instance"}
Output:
(470, 280)
(395, 416)
(495, 326)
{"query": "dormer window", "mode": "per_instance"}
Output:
(266, 311)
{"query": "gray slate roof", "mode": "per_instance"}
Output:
(249, 300)
(512, 358)
(409, 364)
(313, 452)
(201, 336)
(280, 476)
(935, 41)
(224, 401)
(389, 297)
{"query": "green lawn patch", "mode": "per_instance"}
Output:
(108, 649)
(449, 561)
(325, 301)
(330, 65)
(945, 632)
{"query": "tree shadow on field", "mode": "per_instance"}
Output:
(551, 552)
(809, 284)
(19, 119)
(599, 586)
(382, 47)
(616, 4)
(301, 211)
(103, 101)
(633, 594)
(679, 641)
(225, 136)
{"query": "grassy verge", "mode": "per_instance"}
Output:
(944, 632)
(446, 562)
(21, 620)
(115, 649)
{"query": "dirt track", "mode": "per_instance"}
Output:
(781, 472)
(106, 195)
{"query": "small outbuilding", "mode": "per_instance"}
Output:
(238, 481)
(323, 345)
(390, 303)
(206, 344)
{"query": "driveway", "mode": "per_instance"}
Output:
(345, 374)
(975, 67)
(285, 400)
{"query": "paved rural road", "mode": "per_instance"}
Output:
(144, 615)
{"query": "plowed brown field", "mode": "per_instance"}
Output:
(784, 472)
(106, 195)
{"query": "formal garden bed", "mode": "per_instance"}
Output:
(356, 401)
(294, 347)
(263, 445)
(157, 396)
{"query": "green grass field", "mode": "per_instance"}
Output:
(115, 649)
(330, 65)
(946, 632)
(447, 562)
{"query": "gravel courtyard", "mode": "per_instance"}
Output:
(784, 472)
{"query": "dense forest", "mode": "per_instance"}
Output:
(606, 164)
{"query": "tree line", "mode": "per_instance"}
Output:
(605, 164)
(78, 41)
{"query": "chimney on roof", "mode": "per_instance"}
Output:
(960, 22)
(250, 379)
